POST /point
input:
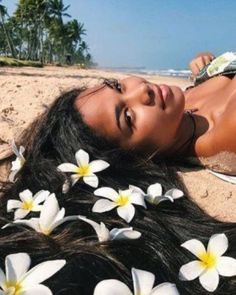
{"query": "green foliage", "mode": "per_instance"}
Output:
(36, 31)
(13, 62)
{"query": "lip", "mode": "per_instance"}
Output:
(161, 92)
(165, 90)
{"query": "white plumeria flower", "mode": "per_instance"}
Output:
(154, 193)
(84, 169)
(211, 263)
(105, 235)
(19, 281)
(143, 282)
(123, 199)
(50, 217)
(27, 204)
(18, 163)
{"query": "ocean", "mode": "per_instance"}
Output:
(183, 73)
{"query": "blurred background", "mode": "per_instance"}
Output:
(154, 36)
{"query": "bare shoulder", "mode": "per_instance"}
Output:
(222, 137)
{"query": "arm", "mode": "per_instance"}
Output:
(199, 62)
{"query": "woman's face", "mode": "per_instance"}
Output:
(134, 113)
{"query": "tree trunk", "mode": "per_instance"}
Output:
(8, 38)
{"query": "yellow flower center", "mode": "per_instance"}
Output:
(27, 205)
(122, 200)
(208, 260)
(46, 231)
(84, 170)
(16, 285)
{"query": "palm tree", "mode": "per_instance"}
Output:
(84, 47)
(81, 31)
(57, 10)
(3, 13)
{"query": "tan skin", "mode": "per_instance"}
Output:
(152, 118)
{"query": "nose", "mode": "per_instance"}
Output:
(138, 91)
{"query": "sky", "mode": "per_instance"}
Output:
(155, 34)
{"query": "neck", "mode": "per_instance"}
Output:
(186, 136)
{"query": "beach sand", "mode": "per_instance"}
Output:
(27, 92)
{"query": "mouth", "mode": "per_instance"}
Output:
(165, 91)
(161, 92)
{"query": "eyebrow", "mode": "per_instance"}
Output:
(98, 88)
(118, 110)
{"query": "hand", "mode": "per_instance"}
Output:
(199, 62)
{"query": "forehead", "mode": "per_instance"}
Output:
(97, 107)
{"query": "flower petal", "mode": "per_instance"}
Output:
(16, 266)
(82, 157)
(60, 215)
(63, 220)
(32, 222)
(12, 175)
(49, 211)
(91, 180)
(17, 164)
(114, 287)
(100, 229)
(26, 196)
(20, 213)
(210, 280)
(37, 208)
(106, 192)
(157, 200)
(124, 233)
(155, 190)
(9, 291)
(67, 167)
(136, 189)
(165, 289)
(74, 179)
(2, 278)
(21, 150)
(13, 204)
(41, 196)
(103, 206)
(126, 192)
(42, 272)
(138, 199)
(191, 270)
(195, 246)
(143, 281)
(37, 290)
(174, 193)
(98, 165)
(218, 244)
(126, 212)
(226, 266)
(14, 148)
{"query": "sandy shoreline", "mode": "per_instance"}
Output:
(26, 93)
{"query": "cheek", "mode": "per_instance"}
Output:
(156, 130)
(147, 128)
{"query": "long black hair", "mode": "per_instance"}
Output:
(53, 140)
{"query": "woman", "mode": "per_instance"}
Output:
(71, 125)
(163, 120)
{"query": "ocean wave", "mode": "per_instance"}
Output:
(169, 73)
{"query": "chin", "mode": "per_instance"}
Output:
(178, 96)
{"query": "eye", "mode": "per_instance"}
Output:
(128, 118)
(114, 84)
(118, 86)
